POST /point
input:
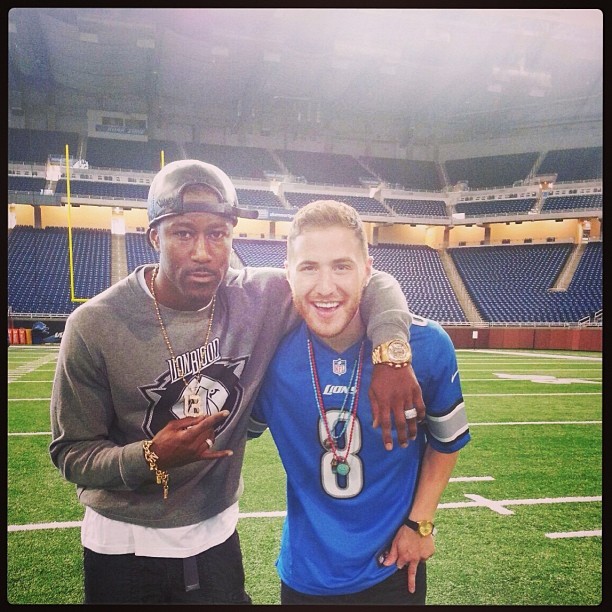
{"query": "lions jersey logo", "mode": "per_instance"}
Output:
(339, 366)
(215, 387)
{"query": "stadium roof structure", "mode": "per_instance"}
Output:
(440, 74)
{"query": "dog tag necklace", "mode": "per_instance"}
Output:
(339, 464)
(193, 402)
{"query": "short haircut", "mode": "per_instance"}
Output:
(327, 213)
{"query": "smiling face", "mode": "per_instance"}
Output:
(327, 270)
(194, 252)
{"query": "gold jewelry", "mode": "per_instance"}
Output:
(423, 528)
(193, 402)
(162, 477)
(395, 353)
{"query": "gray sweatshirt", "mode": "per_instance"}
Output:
(115, 386)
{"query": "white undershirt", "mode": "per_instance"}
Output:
(111, 537)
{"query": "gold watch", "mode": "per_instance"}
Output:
(396, 353)
(423, 528)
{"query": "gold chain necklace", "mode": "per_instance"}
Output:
(193, 402)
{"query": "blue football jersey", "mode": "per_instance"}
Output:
(337, 524)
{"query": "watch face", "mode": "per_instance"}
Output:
(425, 528)
(399, 351)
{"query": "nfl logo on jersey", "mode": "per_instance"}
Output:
(339, 366)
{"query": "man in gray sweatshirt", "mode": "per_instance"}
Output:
(152, 395)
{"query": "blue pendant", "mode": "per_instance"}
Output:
(343, 468)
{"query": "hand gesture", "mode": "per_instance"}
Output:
(409, 548)
(186, 440)
(393, 391)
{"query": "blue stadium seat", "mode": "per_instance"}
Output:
(39, 277)
(325, 168)
(418, 208)
(139, 251)
(492, 171)
(261, 253)
(405, 173)
(363, 205)
(569, 165)
(512, 283)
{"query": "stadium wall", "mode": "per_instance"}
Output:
(571, 339)
(540, 338)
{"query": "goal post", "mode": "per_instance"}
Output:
(73, 298)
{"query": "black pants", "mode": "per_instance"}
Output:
(131, 579)
(392, 591)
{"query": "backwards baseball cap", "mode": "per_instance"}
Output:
(169, 185)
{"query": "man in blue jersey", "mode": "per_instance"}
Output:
(359, 523)
(152, 431)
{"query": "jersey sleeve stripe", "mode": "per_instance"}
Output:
(449, 426)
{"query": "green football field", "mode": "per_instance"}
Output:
(519, 524)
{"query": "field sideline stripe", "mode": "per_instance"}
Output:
(528, 394)
(48, 433)
(23, 380)
(574, 534)
(464, 370)
(31, 433)
(534, 355)
(589, 380)
(282, 513)
(495, 379)
(542, 394)
(29, 399)
(470, 478)
(539, 423)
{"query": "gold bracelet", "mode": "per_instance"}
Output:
(162, 476)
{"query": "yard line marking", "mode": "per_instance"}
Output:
(483, 502)
(36, 526)
(470, 478)
(586, 379)
(273, 514)
(13, 365)
(543, 355)
(574, 534)
(530, 394)
(539, 423)
(520, 368)
(35, 347)
(499, 506)
(23, 380)
(472, 365)
(40, 399)
(518, 360)
(29, 399)
(548, 500)
(31, 433)
(476, 502)
(48, 433)
(538, 362)
(29, 366)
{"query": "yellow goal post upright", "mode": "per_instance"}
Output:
(70, 251)
(68, 209)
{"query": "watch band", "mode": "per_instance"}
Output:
(386, 353)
